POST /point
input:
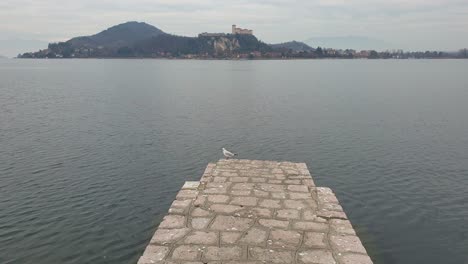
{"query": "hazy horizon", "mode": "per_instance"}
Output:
(396, 24)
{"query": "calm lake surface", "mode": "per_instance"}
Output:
(92, 152)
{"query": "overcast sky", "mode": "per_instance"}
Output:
(408, 24)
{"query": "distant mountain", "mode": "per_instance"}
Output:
(293, 45)
(121, 35)
(11, 47)
(350, 42)
(3, 57)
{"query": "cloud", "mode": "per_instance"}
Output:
(412, 23)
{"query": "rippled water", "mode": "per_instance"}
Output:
(93, 151)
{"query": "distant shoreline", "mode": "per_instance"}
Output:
(236, 59)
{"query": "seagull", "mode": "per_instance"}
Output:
(228, 154)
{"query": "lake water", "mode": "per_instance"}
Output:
(93, 151)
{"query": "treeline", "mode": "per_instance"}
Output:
(164, 45)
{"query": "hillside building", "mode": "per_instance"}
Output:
(242, 31)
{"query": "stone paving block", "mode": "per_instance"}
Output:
(271, 255)
(292, 182)
(311, 215)
(187, 194)
(308, 182)
(186, 252)
(258, 180)
(241, 192)
(166, 236)
(275, 181)
(243, 186)
(268, 203)
(298, 188)
(271, 223)
(218, 185)
(310, 226)
(331, 214)
(200, 222)
(312, 204)
(331, 207)
(244, 201)
(229, 174)
(202, 238)
(218, 198)
(299, 195)
(198, 212)
(315, 240)
(180, 206)
(239, 179)
(326, 195)
(271, 187)
(260, 212)
(223, 253)
(191, 185)
(285, 238)
(316, 256)
(219, 179)
(346, 243)
(230, 237)
(288, 214)
(277, 171)
(173, 221)
(181, 203)
(351, 258)
(254, 236)
(225, 208)
(242, 262)
(259, 193)
(278, 195)
(220, 190)
(280, 177)
(153, 254)
(291, 172)
(231, 223)
(340, 226)
(294, 204)
(199, 201)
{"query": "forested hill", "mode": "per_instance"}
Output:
(134, 39)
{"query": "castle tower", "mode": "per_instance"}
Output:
(233, 29)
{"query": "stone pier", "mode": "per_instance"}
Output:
(250, 211)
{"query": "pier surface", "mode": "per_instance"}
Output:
(250, 211)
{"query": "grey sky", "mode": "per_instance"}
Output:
(408, 24)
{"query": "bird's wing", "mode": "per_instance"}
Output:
(228, 153)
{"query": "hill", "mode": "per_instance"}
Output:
(121, 35)
(293, 46)
(134, 39)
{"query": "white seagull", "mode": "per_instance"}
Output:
(228, 154)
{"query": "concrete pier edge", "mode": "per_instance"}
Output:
(252, 211)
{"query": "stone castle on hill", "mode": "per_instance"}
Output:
(235, 30)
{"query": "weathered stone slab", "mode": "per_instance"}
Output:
(191, 185)
(255, 212)
(271, 255)
(231, 223)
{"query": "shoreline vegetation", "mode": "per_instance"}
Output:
(138, 40)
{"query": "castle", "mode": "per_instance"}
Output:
(236, 30)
